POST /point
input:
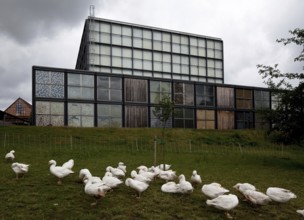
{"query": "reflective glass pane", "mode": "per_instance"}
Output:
(105, 38)
(126, 31)
(147, 34)
(116, 29)
(126, 41)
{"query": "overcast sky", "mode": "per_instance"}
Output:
(48, 33)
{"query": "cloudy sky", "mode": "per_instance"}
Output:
(48, 33)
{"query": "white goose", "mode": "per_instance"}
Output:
(116, 172)
(138, 186)
(142, 167)
(242, 187)
(148, 174)
(111, 181)
(10, 155)
(185, 186)
(301, 212)
(122, 166)
(58, 171)
(20, 168)
(256, 197)
(167, 175)
(139, 177)
(155, 170)
(195, 178)
(170, 187)
(86, 174)
(97, 190)
(69, 164)
(213, 190)
(280, 195)
(164, 166)
(224, 202)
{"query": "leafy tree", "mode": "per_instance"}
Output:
(288, 118)
(163, 112)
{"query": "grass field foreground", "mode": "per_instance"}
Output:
(227, 157)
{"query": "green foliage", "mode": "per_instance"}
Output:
(164, 110)
(288, 117)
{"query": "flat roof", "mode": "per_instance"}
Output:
(150, 27)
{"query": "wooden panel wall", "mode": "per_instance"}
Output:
(136, 90)
(205, 119)
(225, 120)
(225, 97)
(136, 116)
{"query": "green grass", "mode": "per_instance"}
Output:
(227, 157)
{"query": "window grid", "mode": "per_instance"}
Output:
(109, 115)
(183, 93)
(109, 88)
(205, 95)
(158, 90)
(183, 118)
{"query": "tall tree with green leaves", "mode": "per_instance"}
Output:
(288, 117)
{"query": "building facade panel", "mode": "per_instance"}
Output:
(124, 70)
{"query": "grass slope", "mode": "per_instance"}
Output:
(226, 157)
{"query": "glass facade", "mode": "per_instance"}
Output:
(149, 51)
(110, 100)
(124, 70)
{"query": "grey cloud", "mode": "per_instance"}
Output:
(23, 21)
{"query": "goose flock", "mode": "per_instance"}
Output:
(142, 176)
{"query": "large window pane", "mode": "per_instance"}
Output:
(109, 115)
(204, 95)
(158, 90)
(183, 118)
(184, 93)
(80, 115)
(80, 86)
(109, 88)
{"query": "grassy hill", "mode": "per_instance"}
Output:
(227, 157)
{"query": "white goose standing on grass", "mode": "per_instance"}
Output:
(195, 178)
(20, 169)
(138, 186)
(59, 171)
(280, 195)
(213, 190)
(116, 172)
(224, 202)
(69, 164)
(97, 190)
(10, 155)
(139, 177)
(111, 181)
(242, 187)
(256, 197)
(86, 174)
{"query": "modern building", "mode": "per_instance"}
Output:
(123, 70)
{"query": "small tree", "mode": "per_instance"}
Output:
(288, 117)
(163, 112)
